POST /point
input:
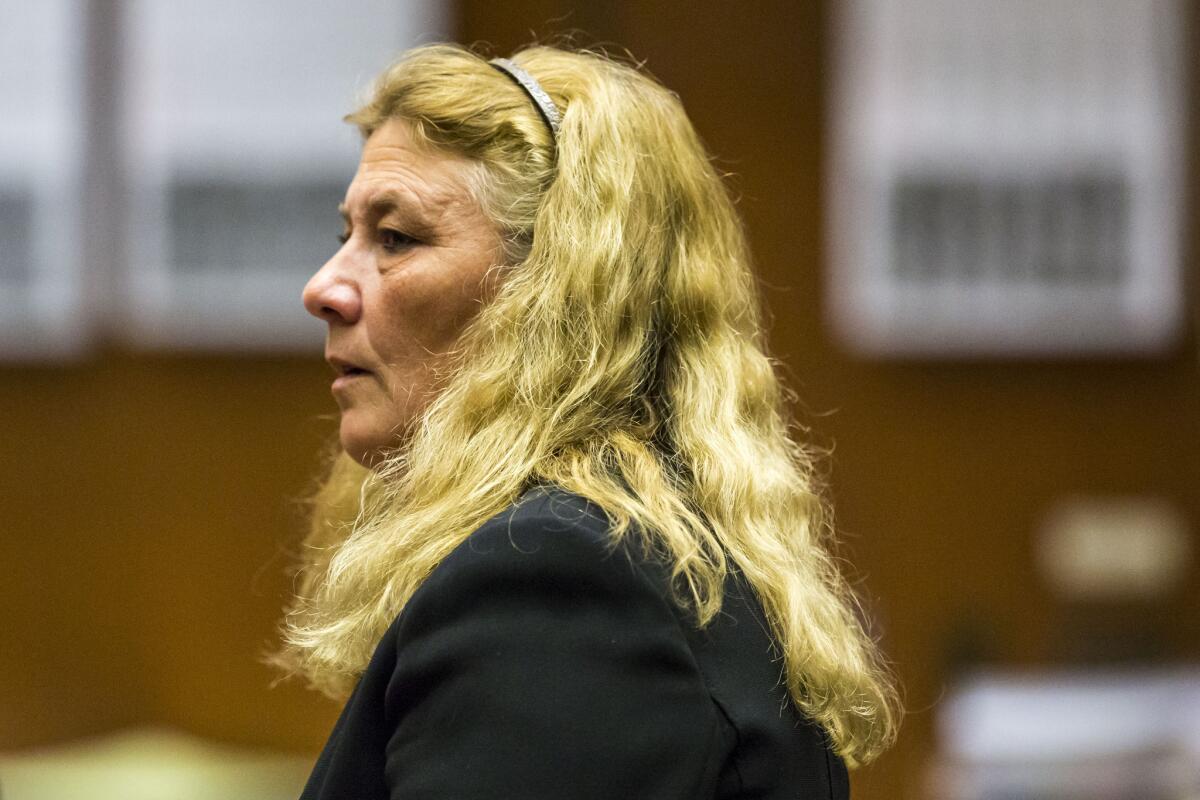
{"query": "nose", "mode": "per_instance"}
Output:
(331, 296)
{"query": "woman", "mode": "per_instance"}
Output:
(567, 548)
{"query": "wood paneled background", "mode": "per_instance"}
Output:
(148, 500)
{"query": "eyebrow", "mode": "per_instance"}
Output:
(383, 202)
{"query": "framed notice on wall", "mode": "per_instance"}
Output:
(238, 157)
(1006, 178)
(44, 314)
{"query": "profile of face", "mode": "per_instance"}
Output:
(413, 269)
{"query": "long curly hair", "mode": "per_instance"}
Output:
(623, 359)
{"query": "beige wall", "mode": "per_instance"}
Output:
(147, 500)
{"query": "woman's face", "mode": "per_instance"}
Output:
(409, 276)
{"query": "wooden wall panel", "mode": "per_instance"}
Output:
(147, 504)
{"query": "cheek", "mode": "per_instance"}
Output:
(423, 317)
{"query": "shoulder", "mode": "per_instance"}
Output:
(548, 541)
(539, 648)
(542, 522)
(544, 574)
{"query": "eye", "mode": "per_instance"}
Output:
(394, 241)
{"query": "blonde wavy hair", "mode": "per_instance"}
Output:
(622, 358)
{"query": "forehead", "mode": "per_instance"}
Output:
(399, 170)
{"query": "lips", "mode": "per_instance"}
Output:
(348, 374)
(345, 368)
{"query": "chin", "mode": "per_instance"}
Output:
(364, 448)
(367, 446)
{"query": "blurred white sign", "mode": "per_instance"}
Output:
(1114, 548)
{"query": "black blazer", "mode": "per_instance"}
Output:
(538, 662)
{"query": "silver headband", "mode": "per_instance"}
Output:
(535, 91)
